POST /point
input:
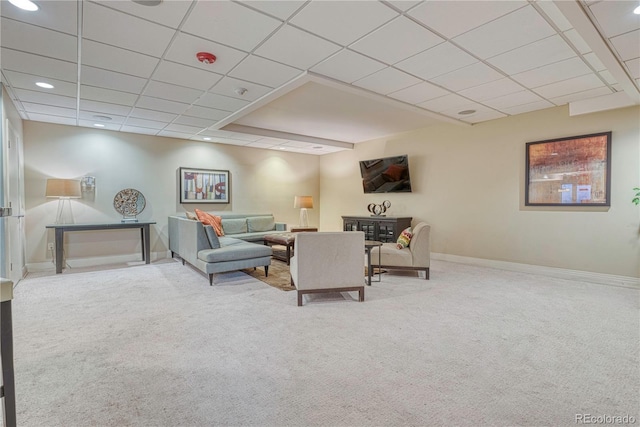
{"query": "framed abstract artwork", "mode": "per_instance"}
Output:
(204, 186)
(572, 171)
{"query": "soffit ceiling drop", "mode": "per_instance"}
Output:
(314, 76)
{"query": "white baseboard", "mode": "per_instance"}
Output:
(95, 261)
(560, 273)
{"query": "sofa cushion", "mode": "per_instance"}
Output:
(212, 220)
(261, 223)
(235, 252)
(234, 225)
(190, 215)
(212, 236)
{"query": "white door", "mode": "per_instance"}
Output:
(15, 241)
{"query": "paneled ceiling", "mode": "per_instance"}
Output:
(314, 76)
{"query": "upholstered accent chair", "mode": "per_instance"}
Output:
(417, 256)
(328, 262)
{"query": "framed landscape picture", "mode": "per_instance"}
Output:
(572, 171)
(204, 186)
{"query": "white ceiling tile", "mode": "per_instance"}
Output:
(111, 80)
(221, 102)
(230, 142)
(135, 129)
(194, 121)
(492, 89)
(525, 108)
(512, 100)
(100, 24)
(176, 135)
(261, 144)
(468, 14)
(233, 135)
(443, 103)
(343, 21)
(45, 98)
(27, 81)
(49, 109)
(219, 21)
(52, 119)
(38, 65)
(206, 113)
(577, 41)
(634, 68)
(228, 85)
(158, 116)
(115, 59)
(469, 76)
(264, 72)
(104, 108)
(106, 95)
(143, 123)
(616, 17)
(169, 13)
(608, 77)
(436, 61)
(184, 48)
(296, 48)
(91, 124)
(482, 115)
(348, 66)
(516, 29)
(97, 118)
(172, 92)
(158, 104)
(542, 52)
(566, 87)
(403, 5)
(386, 81)
(178, 74)
(419, 93)
(281, 9)
(553, 73)
(54, 15)
(40, 41)
(552, 11)
(397, 40)
(627, 45)
(578, 96)
(595, 62)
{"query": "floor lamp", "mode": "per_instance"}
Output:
(303, 203)
(64, 189)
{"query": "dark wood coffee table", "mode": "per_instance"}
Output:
(283, 239)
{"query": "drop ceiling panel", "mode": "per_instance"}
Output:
(176, 135)
(436, 61)
(28, 81)
(344, 21)
(45, 98)
(104, 107)
(194, 121)
(634, 68)
(577, 41)
(111, 80)
(96, 118)
(172, 92)
(525, 108)
(135, 129)
(419, 93)
(49, 109)
(552, 73)
(184, 48)
(105, 126)
(542, 52)
(100, 24)
(264, 72)
(184, 128)
(616, 17)
(206, 113)
(578, 96)
(511, 31)
(221, 102)
(54, 15)
(220, 21)
(468, 14)
(144, 123)
(492, 89)
(444, 103)
(281, 9)
(159, 116)
(397, 40)
(569, 86)
(40, 41)
(228, 85)
(297, 48)
(106, 95)
(169, 13)
(38, 65)
(52, 119)
(348, 66)
(233, 135)
(627, 45)
(115, 59)
(512, 100)
(161, 105)
(553, 13)
(386, 81)
(182, 75)
(594, 61)
(482, 113)
(403, 5)
(469, 76)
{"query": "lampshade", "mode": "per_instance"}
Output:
(63, 188)
(305, 202)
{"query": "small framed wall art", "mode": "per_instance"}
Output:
(572, 171)
(204, 186)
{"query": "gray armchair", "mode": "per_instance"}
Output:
(417, 256)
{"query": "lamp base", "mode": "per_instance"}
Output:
(304, 217)
(64, 214)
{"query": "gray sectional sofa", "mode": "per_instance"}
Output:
(241, 247)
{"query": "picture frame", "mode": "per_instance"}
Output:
(571, 171)
(204, 186)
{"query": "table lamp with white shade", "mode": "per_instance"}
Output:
(64, 189)
(303, 203)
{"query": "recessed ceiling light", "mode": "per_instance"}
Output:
(147, 2)
(466, 112)
(44, 85)
(101, 117)
(24, 5)
(637, 10)
(206, 138)
(98, 125)
(240, 90)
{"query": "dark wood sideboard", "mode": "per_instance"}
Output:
(381, 228)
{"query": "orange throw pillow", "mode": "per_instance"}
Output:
(212, 220)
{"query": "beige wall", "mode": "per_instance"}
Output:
(468, 183)
(261, 181)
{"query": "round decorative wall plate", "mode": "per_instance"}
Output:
(129, 202)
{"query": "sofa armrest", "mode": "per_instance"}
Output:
(281, 226)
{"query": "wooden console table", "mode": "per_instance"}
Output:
(381, 228)
(60, 229)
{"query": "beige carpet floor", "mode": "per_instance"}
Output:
(155, 345)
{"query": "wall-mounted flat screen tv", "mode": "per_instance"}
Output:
(386, 175)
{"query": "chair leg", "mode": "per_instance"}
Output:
(266, 271)
(183, 261)
(211, 280)
(299, 299)
(361, 295)
(426, 274)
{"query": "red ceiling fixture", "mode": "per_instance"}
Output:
(206, 57)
